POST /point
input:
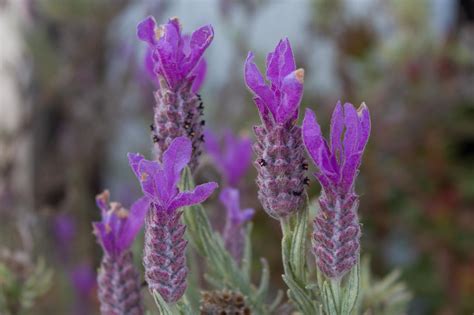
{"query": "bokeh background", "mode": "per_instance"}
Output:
(75, 98)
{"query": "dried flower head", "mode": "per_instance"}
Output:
(164, 253)
(336, 226)
(233, 157)
(280, 156)
(223, 302)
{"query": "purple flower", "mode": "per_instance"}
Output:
(176, 62)
(278, 102)
(118, 227)
(336, 235)
(64, 233)
(233, 234)
(175, 56)
(118, 280)
(164, 253)
(280, 160)
(339, 161)
(233, 158)
(83, 279)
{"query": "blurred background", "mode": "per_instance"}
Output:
(75, 98)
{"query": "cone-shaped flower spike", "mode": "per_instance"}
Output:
(336, 227)
(164, 253)
(280, 155)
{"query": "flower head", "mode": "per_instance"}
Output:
(159, 181)
(279, 101)
(118, 227)
(338, 161)
(233, 158)
(173, 56)
(230, 198)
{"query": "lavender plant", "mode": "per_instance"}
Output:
(164, 251)
(176, 60)
(233, 158)
(234, 232)
(118, 280)
(336, 227)
(280, 156)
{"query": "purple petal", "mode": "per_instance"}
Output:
(256, 83)
(170, 53)
(312, 137)
(102, 201)
(337, 127)
(230, 199)
(349, 172)
(199, 74)
(175, 158)
(246, 214)
(200, 40)
(104, 237)
(280, 62)
(238, 157)
(134, 222)
(150, 175)
(146, 30)
(198, 195)
(292, 92)
(134, 160)
(212, 145)
(364, 126)
(351, 121)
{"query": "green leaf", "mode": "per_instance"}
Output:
(350, 291)
(163, 307)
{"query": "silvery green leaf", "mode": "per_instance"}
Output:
(350, 291)
(163, 307)
(329, 299)
(247, 259)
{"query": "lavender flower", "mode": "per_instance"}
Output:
(83, 279)
(177, 62)
(119, 281)
(280, 156)
(233, 234)
(164, 253)
(336, 227)
(233, 159)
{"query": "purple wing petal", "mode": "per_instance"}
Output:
(134, 160)
(146, 30)
(200, 40)
(168, 49)
(102, 201)
(292, 92)
(198, 195)
(351, 121)
(337, 127)
(175, 158)
(199, 74)
(312, 137)
(256, 83)
(230, 199)
(349, 171)
(364, 126)
(150, 175)
(246, 214)
(238, 157)
(104, 237)
(134, 222)
(280, 62)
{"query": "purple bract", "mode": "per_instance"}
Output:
(233, 158)
(233, 234)
(174, 56)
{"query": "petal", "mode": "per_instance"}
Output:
(169, 51)
(199, 74)
(263, 111)
(230, 199)
(337, 127)
(134, 222)
(150, 175)
(238, 156)
(175, 158)
(146, 30)
(349, 172)
(246, 214)
(102, 201)
(104, 237)
(200, 40)
(280, 62)
(134, 160)
(198, 195)
(212, 146)
(351, 121)
(292, 92)
(364, 126)
(312, 137)
(256, 83)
